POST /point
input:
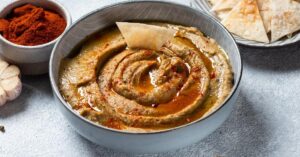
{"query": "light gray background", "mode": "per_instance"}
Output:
(265, 121)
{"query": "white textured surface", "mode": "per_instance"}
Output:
(265, 121)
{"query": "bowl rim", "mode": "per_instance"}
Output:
(16, 3)
(68, 107)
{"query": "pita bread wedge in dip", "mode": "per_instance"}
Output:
(225, 5)
(265, 10)
(245, 21)
(138, 35)
(286, 18)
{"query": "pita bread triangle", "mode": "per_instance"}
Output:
(223, 13)
(245, 21)
(214, 2)
(225, 4)
(266, 13)
(286, 18)
(138, 35)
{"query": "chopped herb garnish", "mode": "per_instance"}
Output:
(179, 69)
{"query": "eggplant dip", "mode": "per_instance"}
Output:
(146, 77)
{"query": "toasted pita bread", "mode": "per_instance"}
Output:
(265, 10)
(214, 2)
(286, 18)
(225, 5)
(146, 36)
(223, 13)
(245, 21)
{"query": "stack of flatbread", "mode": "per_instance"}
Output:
(256, 19)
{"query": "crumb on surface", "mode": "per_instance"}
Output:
(2, 128)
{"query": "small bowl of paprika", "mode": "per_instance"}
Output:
(29, 30)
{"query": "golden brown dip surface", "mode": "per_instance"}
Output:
(142, 90)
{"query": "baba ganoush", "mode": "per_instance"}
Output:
(142, 89)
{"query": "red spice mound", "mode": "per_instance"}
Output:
(30, 25)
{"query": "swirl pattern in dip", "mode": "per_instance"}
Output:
(142, 90)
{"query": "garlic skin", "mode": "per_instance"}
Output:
(10, 82)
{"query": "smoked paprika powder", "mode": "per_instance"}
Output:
(30, 25)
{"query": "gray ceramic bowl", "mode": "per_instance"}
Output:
(32, 60)
(156, 11)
